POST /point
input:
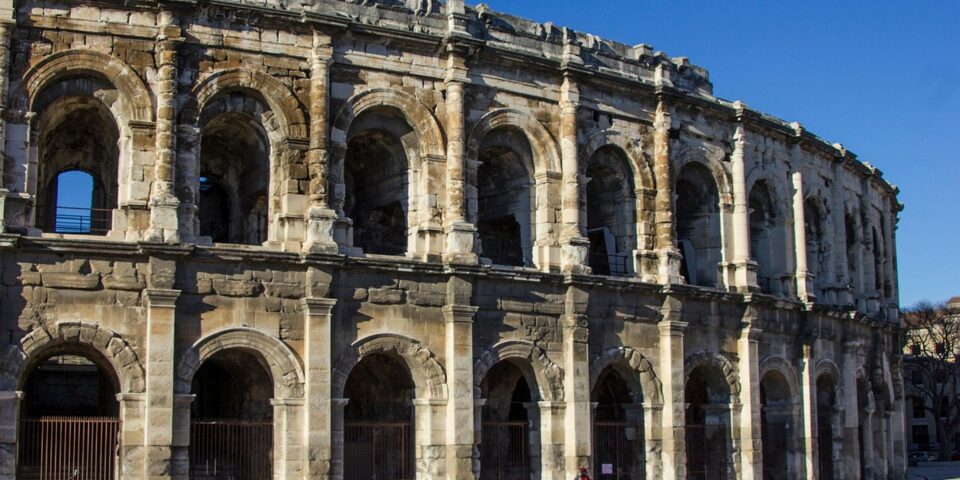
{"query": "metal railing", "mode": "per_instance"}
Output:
(89, 221)
(607, 264)
(378, 451)
(68, 448)
(504, 451)
(615, 447)
(231, 450)
(707, 457)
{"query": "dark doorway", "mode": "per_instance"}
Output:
(707, 431)
(617, 429)
(505, 437)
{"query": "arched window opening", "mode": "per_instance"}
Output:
(708, 425)
(887, 259)
(618, 439)
(234, 178)
(378, 420)
(816, 246)
(69, 425)
(878, 260)
(611, 213)
(853, 252)
(508, 418)
(231, 428)
(864, 435)
(505, 198)
(698, 225)
(776, 426)
(377, 179)
(78, 165)
(766, 240)
(826, 414)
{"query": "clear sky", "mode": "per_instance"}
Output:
(882, 77)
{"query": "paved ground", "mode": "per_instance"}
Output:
(934, 473)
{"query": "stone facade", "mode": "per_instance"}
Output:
(337, 188)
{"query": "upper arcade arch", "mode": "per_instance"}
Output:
(283, 364)
(546, 153)
(430, 136)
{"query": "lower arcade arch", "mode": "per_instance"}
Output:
(777, 426)
(509, 417)
(231, 418)
(828, 430)
(708, 425)
(378, 429)
(69, 417)
(618, 427)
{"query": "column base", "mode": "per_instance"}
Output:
(461, 240)
(669, 267)
(573, 256)
(164, 222)
(320, 228)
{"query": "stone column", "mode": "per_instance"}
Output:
(743, 275)
(574, 244)
(851, 414)
(337, 405)
(869, 456)
(805, 290)
(318, 362)
(320, 217)
(9, 416)
(158, 429)
(673, 435)
(460, 409)
(751, 451)
(552, 438)
(576, 382)
(288, 438)
(808, 413)
(164, 205)
(669, 268)
(6, 26)
(844, 291)
(898, 428)
(430, 422)
(460, 233)
(134, 458)
(180, 445)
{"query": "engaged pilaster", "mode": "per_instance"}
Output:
(164, 205)
(460, 404)
(158, 426)
(669, 265)
(808, 414)
(460, 234)
(743, 275)
(9, 413)
(673, 381)
(319, 370)
(576, 382)
(574, 244)
(751, 450)
(6, 26)
(805, 291)
(320, 217)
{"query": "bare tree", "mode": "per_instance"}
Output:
(933, 345)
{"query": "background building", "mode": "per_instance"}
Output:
(327, 238)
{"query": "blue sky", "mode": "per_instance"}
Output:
(881, 77)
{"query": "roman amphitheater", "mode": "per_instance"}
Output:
(397, 239)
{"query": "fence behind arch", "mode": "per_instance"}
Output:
(68, 448)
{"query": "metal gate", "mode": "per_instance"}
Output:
(68, 448)
(231, 450)
(504, 451)
(707, 457)
(774, 437)
(615, 447)
(378, 451)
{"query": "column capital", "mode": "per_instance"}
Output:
(672, 327)
(459, 313)
(160, 298)
(319, 306)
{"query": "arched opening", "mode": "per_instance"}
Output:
(611, 213)
(505, 198)
(878, 259)
(235, 174)
(826, 414)
(78, 158)
(766, 240)
(509, 421)
(776, 426)
(816, 246)
(698, 225)
(231, 428)
(618, 439)
(378, 420)
(852, 240)
(377, 179)
(864, 433)
(69, 425)
(708, 425)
